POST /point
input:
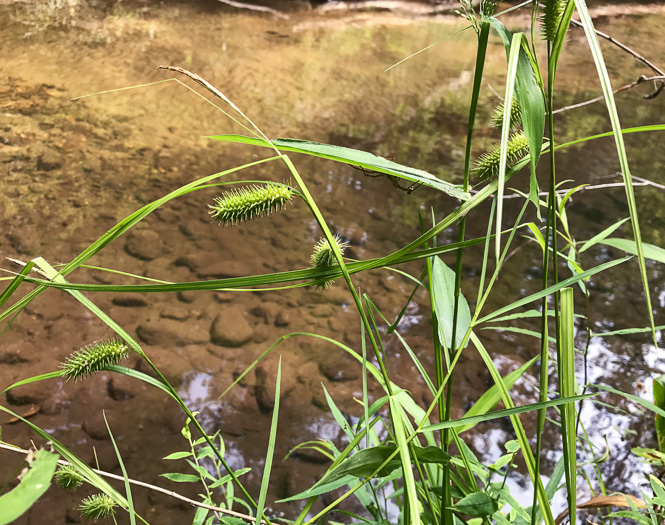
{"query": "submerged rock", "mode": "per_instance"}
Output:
(231, 328)
(145, 245)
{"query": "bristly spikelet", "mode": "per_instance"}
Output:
(487, 166)
(97, 506)
(236, 206)
(68, 478)
(515, 115)
(324, 257)
(551, 18)
(94, 358)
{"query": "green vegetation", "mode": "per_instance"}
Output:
(402, 453)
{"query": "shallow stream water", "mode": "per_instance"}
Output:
(71, 170)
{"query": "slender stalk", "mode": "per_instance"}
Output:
(483, 36)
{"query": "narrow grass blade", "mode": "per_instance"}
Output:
(602, 235)
(650, 251)
(513, 57)
(567, 389)
(467, 422)
(265, 480)
(643, 402)
(34, 379)
(528, 85)
(489, 399)
(353, 157)
(552, 289)
(398, 417)
(128, 488)
(519, 431)
(135, 374)
(590, 33)
(557, 45)
(16, 282)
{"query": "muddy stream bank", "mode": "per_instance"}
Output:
(70, 170)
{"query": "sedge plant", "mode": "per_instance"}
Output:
(400, 449)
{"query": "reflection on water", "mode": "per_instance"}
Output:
(70, 171)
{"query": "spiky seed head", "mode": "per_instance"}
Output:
(551, 17)
(515, 115)
(324, 257)
(93, 358)
(236, 206)
(487, 166)
(68, 478)
(97, 506)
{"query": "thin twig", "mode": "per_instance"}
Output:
(148, 486)
(640, 80)
(635, 55)
(641, 182)
(263, 9)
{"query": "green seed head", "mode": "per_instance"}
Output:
(68, 478)
(324, 257)
(515, 115)
(240, 205)
(487, 166)
(97, 506)
(93, 358)
(551, 18)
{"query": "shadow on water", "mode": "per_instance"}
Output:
(71, 170)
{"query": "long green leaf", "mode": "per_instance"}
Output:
(399, 422)
(528, 85)
(567, 389)
(267, 467)
(353, 157)
(552, 289)
(650, 251)
(489, 399)
(34, 379)
(659, 401)
(604, 77)
(513, 59)
(16, 282)
(646, 404)
(470, 421)
(602, 235)
(128, 488)
(519, 431)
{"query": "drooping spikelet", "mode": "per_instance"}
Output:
(236, 206)
(94, 358)
(515, 115)
(324, 257)
(487, 166)
(68, 478)
(97, 506)
(551, 18)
